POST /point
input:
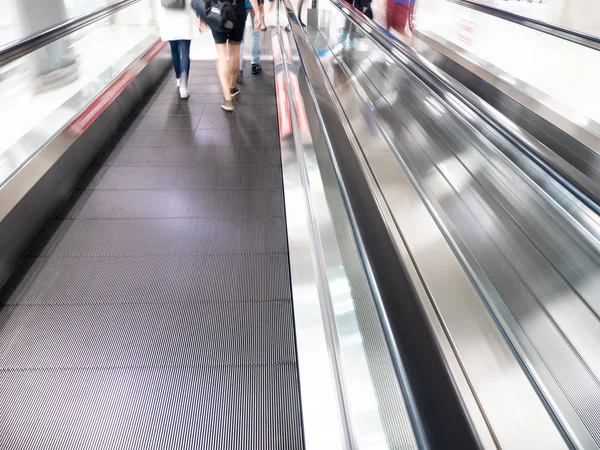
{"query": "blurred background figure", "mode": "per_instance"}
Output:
(364, 6)
(255, 67)
(55, 64)
(398, 16)
(299, 11)
(177, 27)
(282, 17)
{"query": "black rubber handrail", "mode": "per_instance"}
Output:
(577, 37)
(22, 47)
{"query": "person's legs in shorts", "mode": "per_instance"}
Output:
(234, 65)
(261, 7)
(223, 67)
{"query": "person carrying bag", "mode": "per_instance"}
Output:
(176, 22)
(226, 21)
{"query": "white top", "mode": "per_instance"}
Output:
(175, 24)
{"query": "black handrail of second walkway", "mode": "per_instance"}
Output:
(587, 40)
(22, 47)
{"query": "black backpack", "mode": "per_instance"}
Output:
(219, 15)
(173, 4)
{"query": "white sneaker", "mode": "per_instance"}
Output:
(178, 82)
(183, 92)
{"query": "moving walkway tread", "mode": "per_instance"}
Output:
(154, 310)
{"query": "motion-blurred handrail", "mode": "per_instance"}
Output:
(441, 82)
(22, 47)
(577, 37)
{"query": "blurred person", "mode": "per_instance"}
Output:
(398, 15)
(228, 49)
(261, 6)
(54, 64)
(255, 67)
(350, 36)
(299, 12)
(271, 5)
(177, 27)
(364, 6)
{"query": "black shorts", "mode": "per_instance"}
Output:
(235, 35)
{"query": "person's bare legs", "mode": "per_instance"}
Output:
(263, 25)
(234, 61)
(224, 69)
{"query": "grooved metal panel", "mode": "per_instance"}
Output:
(173, 109)
(155, 310)
(204, 80)
(164, 123)
(146, 335)
(238, 138)
(173, 177)
(162, 138)
(173, 204)
(160, 407)
(236, 122)
(156, 279)
(217, 97)
(190, 156)
(245, 110)
(143, 237)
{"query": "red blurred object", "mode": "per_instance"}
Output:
(399, 15)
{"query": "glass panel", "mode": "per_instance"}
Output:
(22, 18)
(559, 73)
(579, 15)
(43, 91)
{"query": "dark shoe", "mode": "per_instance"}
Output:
(227, 105)
(240, 78)
(234, 92)
(255, 69)
(287, 28)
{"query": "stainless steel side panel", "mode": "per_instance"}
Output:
(35, 192)
(505, 407)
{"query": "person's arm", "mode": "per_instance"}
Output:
(256, 10)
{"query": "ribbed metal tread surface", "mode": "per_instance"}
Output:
(150, 407)
(155, 310)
